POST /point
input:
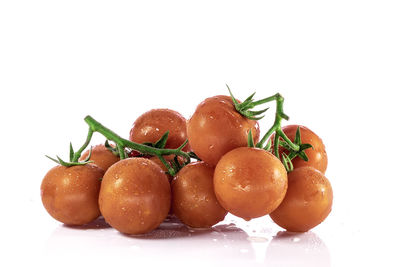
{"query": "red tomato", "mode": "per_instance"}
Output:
(70, 194)
(250, 182)
(317, 157)
(216, 128)
(193, 198)
(150, 127)
(101, 156)
(307, 203)
(135, 196)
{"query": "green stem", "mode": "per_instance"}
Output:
(276, 127)
(95, 126)
(78, 153)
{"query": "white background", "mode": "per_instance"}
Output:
(337, 63)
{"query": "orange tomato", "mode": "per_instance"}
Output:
(101, 156)
(250, 182)
(70, 194)
(135, 196)
(307, 203)
(193, 198)
(216, 128)
(150, 127)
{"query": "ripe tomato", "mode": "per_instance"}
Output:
(250, 182)
(216, 128)
(193, 197)
(70, 194)
(317, 157)
(150, 127)
(101, 156)
(307, 203)
(135, 196)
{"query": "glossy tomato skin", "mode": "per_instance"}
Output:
(250, 182)
(101, 157)
(135, 196)
(317, 157)
(216, 128)
(307, 203)
(70, 194)
(150, 127)
(193, 198)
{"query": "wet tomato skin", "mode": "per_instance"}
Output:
(135, 196)
(307, 203)
(250, 182)
(101, 156)
(317, 157)
(193, 198)
(151, 125)
(70, 194)
(216, 128)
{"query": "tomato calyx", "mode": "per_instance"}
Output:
(74, 156)
(244, 107)
(295, 149)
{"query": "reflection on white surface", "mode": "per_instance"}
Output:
(233, 242)
(290, 249)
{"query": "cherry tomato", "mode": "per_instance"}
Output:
(193, 198)
(150, 127)
(135, 196)
(250, 182)
(216, 128)
(317, 157)
(70, 194)
(101, 156)
(307, 203)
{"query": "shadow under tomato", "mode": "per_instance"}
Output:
(172, 227)
(99, 223)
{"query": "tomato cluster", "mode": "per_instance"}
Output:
(135, 189)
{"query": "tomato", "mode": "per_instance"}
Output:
(135, 196)
(317, 157)
(193, 198)
(150, 127)
(101, 156)
(250, 182)
(307, 203)
(216, 128)
(70, 194)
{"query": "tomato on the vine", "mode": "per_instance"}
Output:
(70, 194)
(101, 156)
(151, 125)
(307, 203)
(216, 128)
(250, 182)
(193, 198)
(317, 157)
(135, 196)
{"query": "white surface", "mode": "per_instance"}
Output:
(335, 62)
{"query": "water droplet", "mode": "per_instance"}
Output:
(215, 240)
(295, 239)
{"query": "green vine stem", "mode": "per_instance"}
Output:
(276, 127)
(122, 143)
(295, 148)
